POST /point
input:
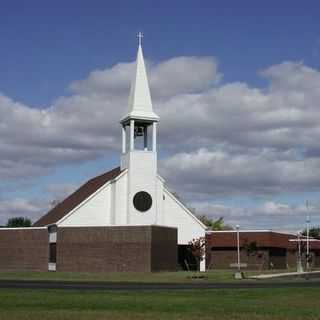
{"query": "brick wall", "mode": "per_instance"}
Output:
(24, 249)
(292, 257)
(164, 249)
(114, 249)
(222, 259)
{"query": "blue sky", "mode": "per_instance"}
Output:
(50, 44)
(47, 46)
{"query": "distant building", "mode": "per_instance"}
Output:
(260, 249)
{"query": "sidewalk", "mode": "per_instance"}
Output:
(285, 275)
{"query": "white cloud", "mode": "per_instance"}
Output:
(108, 81)
(34, 207)
(167, 79)
(183, 75)
(58, 192)
(85, 125)
(19, 207)
(266, 215)
(220, 138)
(205, 173)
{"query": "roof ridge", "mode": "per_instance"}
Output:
(103, 174)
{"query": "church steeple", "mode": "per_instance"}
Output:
(139, 149)
(140, 117)
(140, 104)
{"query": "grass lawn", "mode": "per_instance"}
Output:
(181, 276)
(214, 276)
(194, 304)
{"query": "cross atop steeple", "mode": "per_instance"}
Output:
(140, 36)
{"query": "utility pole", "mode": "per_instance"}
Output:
(308, 229)
(238, 274)
(299, 264)
(238, 247)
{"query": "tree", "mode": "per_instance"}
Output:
(215, 225)
(314, 232)
(197, 248)
(251, 248)
(18, 222)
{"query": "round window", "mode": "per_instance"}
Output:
(142, 201)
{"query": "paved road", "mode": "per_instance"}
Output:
(243, 284)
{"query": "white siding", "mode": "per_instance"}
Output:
(95, 211)
(176, 215)
(109, 205)
(142, 176)
(120, 206)
(159, 197)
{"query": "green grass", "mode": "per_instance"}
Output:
(219, 304)
(213, 276)
(176, 277)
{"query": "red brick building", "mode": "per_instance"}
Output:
(259, 249)
(89, 249)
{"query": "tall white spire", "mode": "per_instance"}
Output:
(140, 104)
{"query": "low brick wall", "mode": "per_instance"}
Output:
(24, 249)
(114, 249)
(223, 259)
(164, 249)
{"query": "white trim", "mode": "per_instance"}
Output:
(119, 176)
(154, 136)
(52, 266)
(53, 237)
(90, 197)
(161, 179)
(231, 231)
(145, 139)
(304, 240)
(251, 231)
(184, 207)
(124, 137)
(112, 203)
(122, 225)
(24, 228)
(131, 135)
(130, 116)
(142, 151)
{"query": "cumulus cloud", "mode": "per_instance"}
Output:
(256, 172)
(58, 192)
(85, 125)
(183, 75)
(34, 207)
(266, 215)
(167, 79)
(19, 207)
(220, 139)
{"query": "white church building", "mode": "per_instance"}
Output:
(133, 194)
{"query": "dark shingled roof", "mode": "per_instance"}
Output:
(86, 190)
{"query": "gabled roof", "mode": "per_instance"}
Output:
(71, 202)
(140, 104)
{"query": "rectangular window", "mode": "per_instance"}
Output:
(52, 252)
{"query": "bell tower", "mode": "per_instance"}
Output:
(139, 148)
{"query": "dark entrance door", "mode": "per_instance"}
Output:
(186, 260)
